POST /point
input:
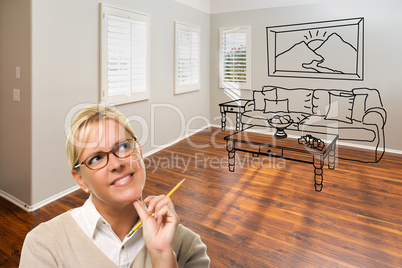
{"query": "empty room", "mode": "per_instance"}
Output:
(200, 133)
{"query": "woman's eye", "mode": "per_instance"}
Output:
(95, 158)
(124, 146)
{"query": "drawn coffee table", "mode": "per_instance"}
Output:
(257, 141)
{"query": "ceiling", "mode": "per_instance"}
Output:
(222, 6)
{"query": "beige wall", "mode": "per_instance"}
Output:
(382, 62)
(65, 76)
(15, 117)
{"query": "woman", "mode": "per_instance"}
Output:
(106, 161)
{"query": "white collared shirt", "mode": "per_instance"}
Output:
(122, 253)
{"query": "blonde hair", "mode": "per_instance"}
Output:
(81, 125)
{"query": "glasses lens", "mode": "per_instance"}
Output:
(97, 161)
(122, 150)
(125, 148)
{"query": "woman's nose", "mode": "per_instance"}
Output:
(115, 163)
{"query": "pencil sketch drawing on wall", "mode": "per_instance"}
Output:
(328, 50)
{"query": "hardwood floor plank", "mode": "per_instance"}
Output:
(6, 261)
(10, 242)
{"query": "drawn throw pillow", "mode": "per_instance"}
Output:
(340, 108)
(260, 96)
(275, 106)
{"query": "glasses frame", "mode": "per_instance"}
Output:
(113, 151)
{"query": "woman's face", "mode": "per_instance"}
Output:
(122, 180)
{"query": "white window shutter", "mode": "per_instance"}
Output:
(125, 56)
(187, 58)
(118, 59)
(235, 58)
(139, 59)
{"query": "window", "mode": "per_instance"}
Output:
(125, 56)
(187, 58)
(235, 57)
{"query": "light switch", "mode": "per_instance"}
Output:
(16, 95)
(18, 72)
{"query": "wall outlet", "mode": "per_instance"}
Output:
(16, 94)
(18, 72)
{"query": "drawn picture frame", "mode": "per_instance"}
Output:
(325, 50)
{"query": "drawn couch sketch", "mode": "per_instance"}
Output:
(329, 50)
(356, 115)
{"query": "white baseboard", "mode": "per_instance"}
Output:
(219, 126)
(14, 200)
(30, 208)
(54, 197)
(393, 151)
(34, 207)
(175, 141)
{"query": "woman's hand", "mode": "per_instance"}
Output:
(159, 230)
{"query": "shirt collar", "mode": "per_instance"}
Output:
(91, 216)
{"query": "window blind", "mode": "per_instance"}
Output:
(126, 56)
(187, 58)
(235, 57)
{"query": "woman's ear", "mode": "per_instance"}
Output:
(80, 181)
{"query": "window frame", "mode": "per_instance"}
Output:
(179, 89)
(235, 85)
(105, 11)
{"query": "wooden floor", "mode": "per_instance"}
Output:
(266, 213)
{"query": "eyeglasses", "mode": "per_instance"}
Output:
(100, 160)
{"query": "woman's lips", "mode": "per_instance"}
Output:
(123, 181)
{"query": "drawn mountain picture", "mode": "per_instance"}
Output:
(333, 55)
(328, 49)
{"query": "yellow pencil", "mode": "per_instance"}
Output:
(150, 213)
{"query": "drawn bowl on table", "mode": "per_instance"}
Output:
(280, 123)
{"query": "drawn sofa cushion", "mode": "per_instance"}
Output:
(300, 100)
(340, 107)
(260, 96)
(366, 133)
(357, 115)
(321, 100)
(276, 106)
(260, 118)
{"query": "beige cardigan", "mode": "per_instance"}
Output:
(60, 242)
